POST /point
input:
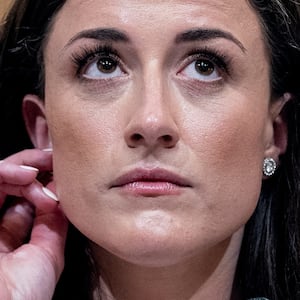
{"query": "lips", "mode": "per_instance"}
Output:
(151, 182)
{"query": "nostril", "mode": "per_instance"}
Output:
(136, 137)
(167, 138)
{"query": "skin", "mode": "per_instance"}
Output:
(32, 231)
(219, 131)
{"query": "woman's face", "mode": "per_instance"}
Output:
(159, 116)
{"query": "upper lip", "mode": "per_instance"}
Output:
(155, 174)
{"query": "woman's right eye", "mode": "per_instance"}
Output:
(98, 63)
(103, 67)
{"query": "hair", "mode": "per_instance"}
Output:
(269, 262)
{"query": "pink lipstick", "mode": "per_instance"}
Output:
(151, 183)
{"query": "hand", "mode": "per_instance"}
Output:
(32, 229)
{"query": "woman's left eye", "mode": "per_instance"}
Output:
(104, 67)
(202, 69)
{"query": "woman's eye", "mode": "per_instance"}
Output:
(202, 69)
(103, 68)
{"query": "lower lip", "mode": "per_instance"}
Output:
(151, 188)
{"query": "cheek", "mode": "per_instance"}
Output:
(84, 138)
(229, 149)
(227, 132)
(228, 144)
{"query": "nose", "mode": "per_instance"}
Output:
(152, 124)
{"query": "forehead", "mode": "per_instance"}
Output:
(153, 25)
(236, 15)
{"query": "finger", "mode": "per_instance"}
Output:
(49, 233)
(17, 174)
(38, 195)
(40, 262)
(40, 159)
(15, 225)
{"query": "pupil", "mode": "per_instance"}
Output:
(106, 65)
(204, 67)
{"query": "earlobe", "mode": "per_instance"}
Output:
(35, 121)
(277, 141)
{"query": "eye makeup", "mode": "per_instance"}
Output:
(220, 61)
(204, 71)
(91, 54)
(101, 56)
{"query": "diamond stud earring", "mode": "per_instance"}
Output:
(269, 166)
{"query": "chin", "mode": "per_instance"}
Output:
(151, 253)
(149, 248)
(152, 239)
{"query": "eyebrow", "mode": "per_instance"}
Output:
(101, 34)
(114, 35)
(207, 34)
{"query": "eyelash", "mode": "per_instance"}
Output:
(220, 60)
(89, 55)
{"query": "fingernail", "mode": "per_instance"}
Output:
(50, 194)
(29, 168)
(48, 150)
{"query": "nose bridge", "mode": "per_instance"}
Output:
(153, 122)
(154, 102)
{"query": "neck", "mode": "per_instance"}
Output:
(208, 275)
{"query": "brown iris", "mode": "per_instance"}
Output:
(107, 65)
(204, 67)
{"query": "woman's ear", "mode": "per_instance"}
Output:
(35, 121)
(277, 133)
